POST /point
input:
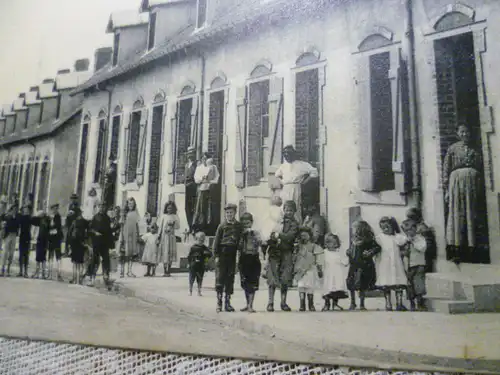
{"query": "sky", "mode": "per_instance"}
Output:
(40, 37)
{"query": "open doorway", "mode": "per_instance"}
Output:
(459, 104)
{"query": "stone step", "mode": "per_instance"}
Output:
(448, 287)
(450, 306)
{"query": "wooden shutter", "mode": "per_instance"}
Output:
(142, 147)
(171, 145)
(275, 123)
(400, 164)
(366, 175)
(123, 172)
(193, 138)
(239, 161)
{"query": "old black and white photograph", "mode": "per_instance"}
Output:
(249, 187)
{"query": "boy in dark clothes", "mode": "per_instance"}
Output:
(42, 221)
(226, 243)
(25, 221)
(70, 217)
(197, 258)
(102, 241)
(55, 239)
(77, 236)
(11, 230)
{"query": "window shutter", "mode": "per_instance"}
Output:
(193, 139)
(276, 123)
(366, 176)
(142, 147)
(123, 172)
(239, 163)
(398, 89)
(171, 145)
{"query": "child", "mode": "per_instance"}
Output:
(273, 217)
(77, 237)
(415, 214)
(54, 241)
(415, 252)
(150, 255)
(361, 276)
(389, 265)
(249, 260)
(9, 238)
(90, 205)
(169, 223)
(102, 241)
(317, 223)
(308, 268)
(197, 258)
(42, 221)
(25, 221)
(280, 255)
(129, 244)
(227, 238)
(334, 285)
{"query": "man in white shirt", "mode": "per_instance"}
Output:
(294, 174)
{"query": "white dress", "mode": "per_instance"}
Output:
(310, 281)
(150, 255)
(388, 263)
(90, 207)
(334, 272)
(270, 221)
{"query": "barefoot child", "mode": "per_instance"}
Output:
(249, 260)
(361, 276)
(415, 252)
(308, 268)
(227, 238)
(197, 258)
(150, 255)
(390, 271)
(334, 286)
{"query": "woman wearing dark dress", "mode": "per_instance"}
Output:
(361, 276)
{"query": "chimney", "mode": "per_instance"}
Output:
(22, 95)
(48, 80)
(34, 88)
(82, 65)
(63, 71)
(102, 57)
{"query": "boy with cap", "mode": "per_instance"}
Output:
(70, 217)
(25, 222)
(227, 238)
(55, 239)
(11, 230)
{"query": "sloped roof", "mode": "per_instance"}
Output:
(146, 4)
(126, 18)
(71, 80)
(46, 90)
(241, 14)
(47, 127)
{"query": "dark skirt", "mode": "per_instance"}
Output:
(41, 251)
(77, 252)
(250, 269)
(361, 278)
(280, 269)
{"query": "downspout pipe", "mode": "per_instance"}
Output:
(413, 106)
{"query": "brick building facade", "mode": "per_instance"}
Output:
(368, 92)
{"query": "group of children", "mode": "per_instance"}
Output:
(305, 256)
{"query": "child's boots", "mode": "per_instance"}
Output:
(399, 302)
(219, 301)
(227, 304)
(310, 302)
(302, 297)
(326, 307)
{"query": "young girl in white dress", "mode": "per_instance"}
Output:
(150, 255)
(389, 264)
(169, 223)
(335, 273)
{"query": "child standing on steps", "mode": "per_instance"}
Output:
(150, 255)
(361, 276)
(391, 275)
(227, 238)
(334, 285)
(308, 268)
(249, 260)
(197, 258)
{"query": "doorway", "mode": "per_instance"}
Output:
(458, 102)
(216, 150)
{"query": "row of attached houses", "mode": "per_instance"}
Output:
(370, 92)
(39, 134)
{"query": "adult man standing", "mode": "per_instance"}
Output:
(294, 174)
(191, 187)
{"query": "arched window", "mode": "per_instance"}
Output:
(27, 180)
(159, 97)
(43, 190)
(118, 109)
(308, 57)
(263, 68)
(100, 162)
(188, 89)
(219, 81)
(453, 16)
(138, 104)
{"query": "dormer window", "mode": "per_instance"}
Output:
(201, 18)
(58, 110)
(152, 31)
(116, 47)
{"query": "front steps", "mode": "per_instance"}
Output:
(468, 289)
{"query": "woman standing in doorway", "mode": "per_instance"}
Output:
(462, 184)
(206, 177)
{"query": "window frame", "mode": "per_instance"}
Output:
(132, 185)
(152, 30)
(202, 25)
